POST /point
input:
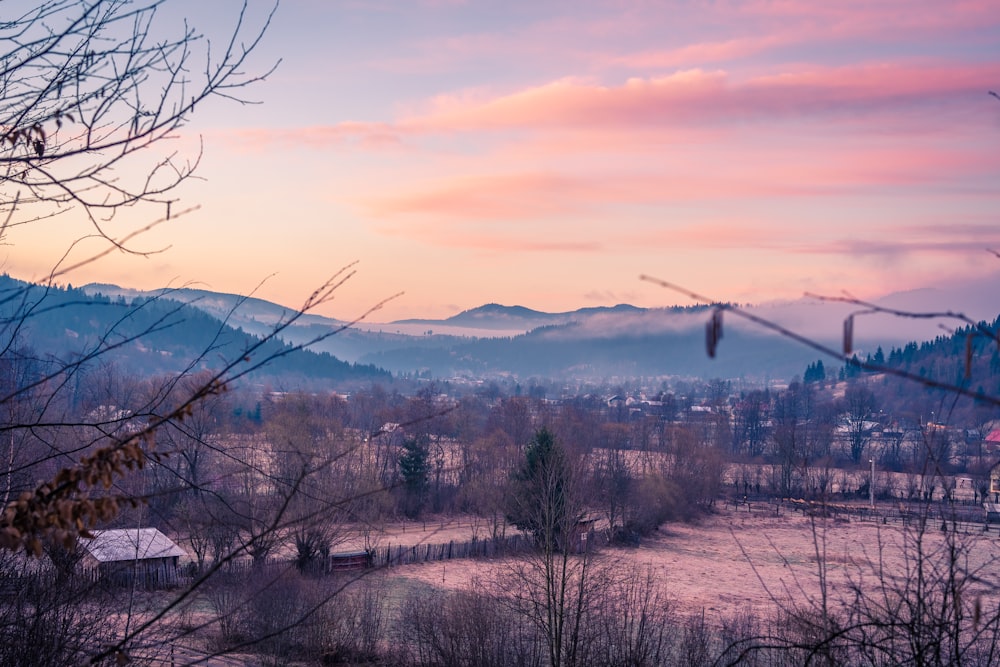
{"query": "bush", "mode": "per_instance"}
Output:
(467, 629)
(657, 500)
(294, 617)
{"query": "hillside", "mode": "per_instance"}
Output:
(943, 359)
(155, 335)
(589, 343)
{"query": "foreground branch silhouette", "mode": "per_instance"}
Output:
(714, 335)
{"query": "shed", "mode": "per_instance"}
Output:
(582, 531)
(349, 560)
(992, 512)
(142, 554)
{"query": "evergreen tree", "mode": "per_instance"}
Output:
(414, 468)
(541, 499)
(814, 373)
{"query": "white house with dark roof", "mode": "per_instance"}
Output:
(143, 554)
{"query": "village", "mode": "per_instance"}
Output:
(303, 492)
(458, 334)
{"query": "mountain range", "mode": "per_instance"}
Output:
(621, 341)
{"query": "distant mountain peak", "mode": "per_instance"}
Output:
(496, 309)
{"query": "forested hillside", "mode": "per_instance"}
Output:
(969, 357)
(149, 336)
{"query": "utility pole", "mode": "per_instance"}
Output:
(871, 484)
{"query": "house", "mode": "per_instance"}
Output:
(143, 555)
(995, 481)
(992, 441)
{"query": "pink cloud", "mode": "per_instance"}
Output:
(713, 234)
(543, 36)
(550, 195)
(573, 102)
(715, 32)
(952, 238)
(565, 190)
(772, 235)
(879, 84)
(854, 167)
(893, 249)
(495, 244)
(692, 97)
(488, 197)
(263, 139)
(703, 52)
(493, 240)
(862, 17)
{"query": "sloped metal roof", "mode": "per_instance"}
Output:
(109, 546)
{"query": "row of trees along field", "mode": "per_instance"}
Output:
(261, 488)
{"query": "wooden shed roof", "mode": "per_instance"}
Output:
(110, 546)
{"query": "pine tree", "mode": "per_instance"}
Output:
(540, 492)
(414, 468)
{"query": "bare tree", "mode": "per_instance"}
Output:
(860, 406)
(749, 428)
(695, 471)
(93, 93)
(791, 413)
(613, 483)
(554, 587)
(89, 88)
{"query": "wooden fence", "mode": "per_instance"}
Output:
(92, 578)
(421, 553)
(145, 577)
(955, 516)
(395, 555)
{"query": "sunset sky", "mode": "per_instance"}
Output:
(547, 153)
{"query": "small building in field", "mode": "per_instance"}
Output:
(143, 555)
(349, 560)
(992, 512)
(582, 532)
(995, 481)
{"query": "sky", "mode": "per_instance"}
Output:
(547, 154)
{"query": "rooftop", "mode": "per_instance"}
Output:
(130, 544)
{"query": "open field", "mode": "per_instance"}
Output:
(734, 560)
(732, 563)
